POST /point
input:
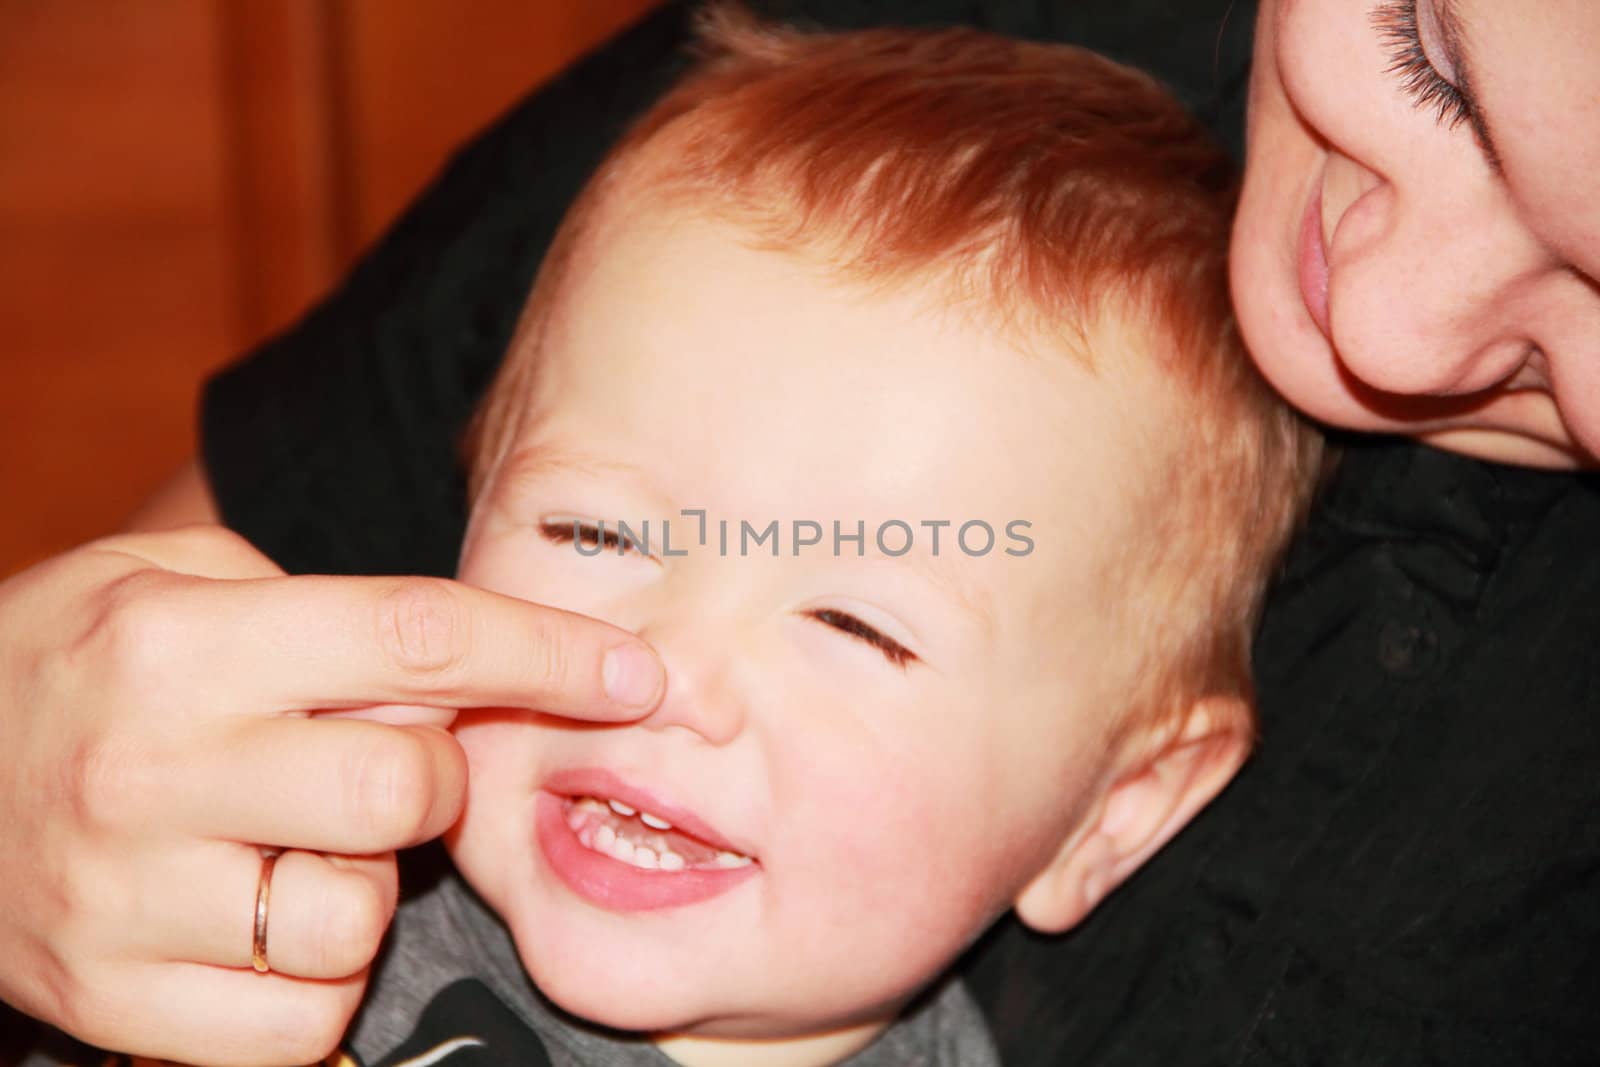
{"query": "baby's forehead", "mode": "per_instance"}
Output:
(974, 286)
(1107, 327)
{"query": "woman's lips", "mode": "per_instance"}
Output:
(1313, 265)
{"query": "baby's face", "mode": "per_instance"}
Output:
(865, 757)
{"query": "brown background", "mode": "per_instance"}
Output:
(179, 178)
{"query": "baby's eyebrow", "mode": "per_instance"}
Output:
(537, 462)
(975, 599)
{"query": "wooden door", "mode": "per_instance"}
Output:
(179, 178)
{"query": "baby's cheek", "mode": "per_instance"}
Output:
(894, 836)
(498, 749)
(492, 843)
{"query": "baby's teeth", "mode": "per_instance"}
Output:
(657, 855)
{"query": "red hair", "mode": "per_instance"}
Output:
(1044, 183)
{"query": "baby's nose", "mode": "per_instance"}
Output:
(701, 696)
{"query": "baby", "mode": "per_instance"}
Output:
(886, 383)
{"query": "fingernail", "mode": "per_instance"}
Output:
(632, 676)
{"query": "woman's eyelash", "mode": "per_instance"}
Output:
(892, 650)
(1396, 20)
(591, 535)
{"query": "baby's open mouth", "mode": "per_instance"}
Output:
(643, 840)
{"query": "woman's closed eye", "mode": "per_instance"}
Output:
(1397, 21)
(593, 537)
(892, 650)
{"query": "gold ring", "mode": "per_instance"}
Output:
(258, 945)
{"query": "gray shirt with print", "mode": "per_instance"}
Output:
(446, 947)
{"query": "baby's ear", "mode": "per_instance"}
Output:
(1168, 779)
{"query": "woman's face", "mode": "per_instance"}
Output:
(1418, 244)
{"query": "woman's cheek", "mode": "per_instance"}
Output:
(1286, 163)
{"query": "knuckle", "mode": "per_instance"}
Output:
(553, 655)
(107, 771)
(57, 996)
(215, 536)
(319, 1025)
(216, 542)
(138, 626)
(83, 912)
(391, 788)
(105, 782)
(86, 1012)
(423, 627)
(353, 925)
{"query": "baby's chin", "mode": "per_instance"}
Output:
(598, 983)
(636, 1000)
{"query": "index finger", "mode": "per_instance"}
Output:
(325, 642)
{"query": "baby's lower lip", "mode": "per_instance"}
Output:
(1312, 263)
(612, 884)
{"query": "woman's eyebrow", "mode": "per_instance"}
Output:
(1460, 55)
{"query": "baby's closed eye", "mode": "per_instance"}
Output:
(593, 534)
(892, 650)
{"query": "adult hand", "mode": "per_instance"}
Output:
(156, 700)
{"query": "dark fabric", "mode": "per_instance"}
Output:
(1409, 870)
(1406, 873)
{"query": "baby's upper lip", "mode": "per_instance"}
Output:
(604, 784)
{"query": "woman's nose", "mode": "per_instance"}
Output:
(1434, 290)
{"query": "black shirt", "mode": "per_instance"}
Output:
(1408, 871)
